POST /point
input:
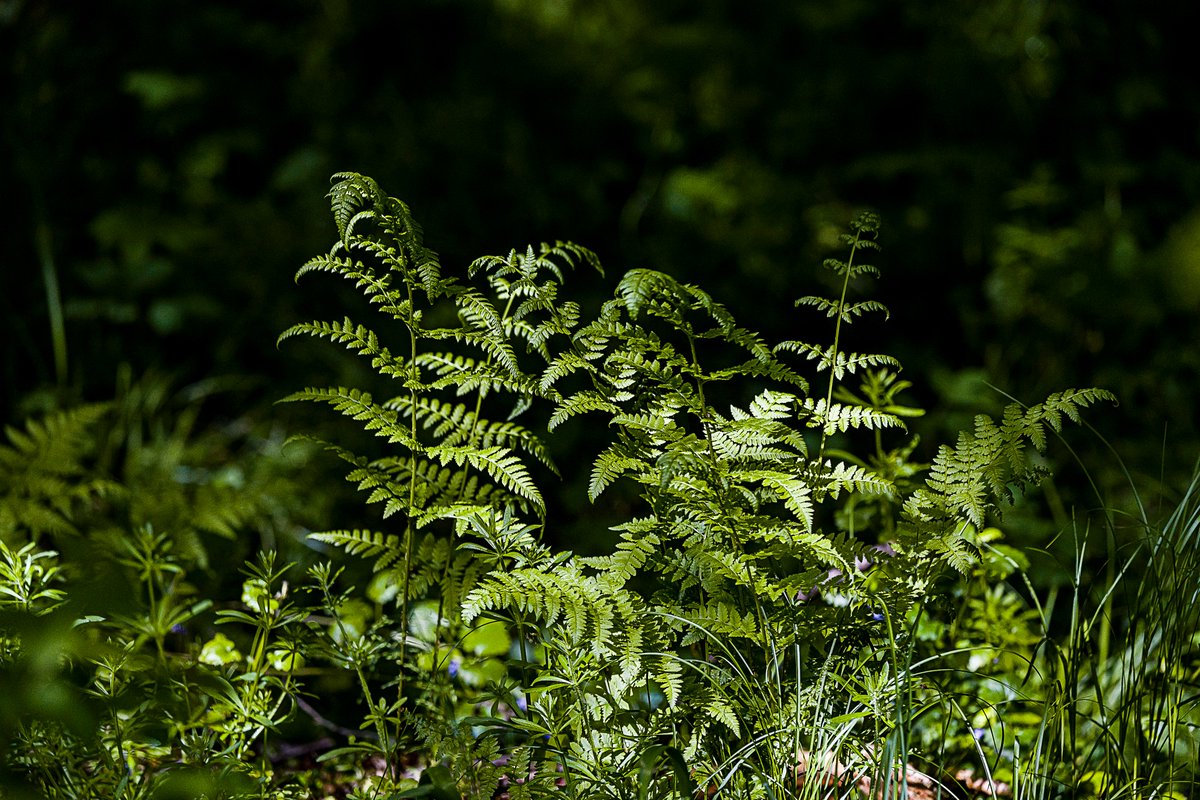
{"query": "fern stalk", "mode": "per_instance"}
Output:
(837, 336)
(410, 533)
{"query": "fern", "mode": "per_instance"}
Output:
(750, 500)
(451, 461)
(978, 474)
(385, 548)
(44, 477)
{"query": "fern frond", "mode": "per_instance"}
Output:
(751, 441)
(716, 619)
(499, 464)
(453, 424)
(377, 288)
(610, 465)
(468, 375)
(349, 195)
(834, 359)
(45, 477)
(795, 493)
(571, 254)
(721, 710)
(55, 444)
(1068, 402)
(386, 548)
(580, 403)
(487, 328)
(836, 477)
(360, 406)
(562, 597)
(630, 556)
(356, 199)
(565, 363)
(768, 368)
(358, 339)
(640, 288)
(836, 417)
(769, 404)
(797, 541)
(848, 311)
(963, 480)
(668, 674)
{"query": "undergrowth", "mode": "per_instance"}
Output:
(791, 605)
(749, 591)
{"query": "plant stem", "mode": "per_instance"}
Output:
(837, 338)
(58, 331)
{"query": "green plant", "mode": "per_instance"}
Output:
(121, 685)
(711, 590)
(1085, 692)
(122, 702)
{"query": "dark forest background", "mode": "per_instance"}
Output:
(1036, 165)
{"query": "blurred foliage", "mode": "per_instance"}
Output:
(122, 527)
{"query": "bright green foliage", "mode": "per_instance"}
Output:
(453, 462)
(124, 704)
(29, 578)
(100, 470)
(749, 561)
(968, 480)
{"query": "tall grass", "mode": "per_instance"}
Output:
(1114, 681)
(1106, 704)
(1122, 716)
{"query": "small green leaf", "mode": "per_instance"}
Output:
(220, 651)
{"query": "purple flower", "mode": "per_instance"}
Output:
(834, 572)
(455, 663)
(803, 596)
(885, 548)
(877, 616)
(522, 703)
(861, 563)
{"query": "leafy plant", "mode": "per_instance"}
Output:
(765, 552)
(121, 685)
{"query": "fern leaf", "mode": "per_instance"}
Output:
(840, 476)
(357, 338)
(499, 464)
(848, 311)
(369, 544)
(580, 403)
(963, 480)
(360, 406)
(719, 709)
(795, 494)
(610, 465)
(836, 417)
(347, 197)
